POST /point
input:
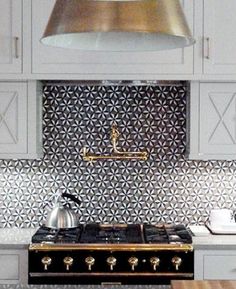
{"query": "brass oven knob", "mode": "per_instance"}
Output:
(111, 261)
(176, 261)
(133, 261)
(46, 261)
(89, 262)
(68, 261)
(155, 262)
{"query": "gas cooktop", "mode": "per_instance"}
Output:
(115, 234)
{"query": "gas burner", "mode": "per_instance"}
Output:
(167, 234)
(48, 235)
(111, 235)
(95, 233)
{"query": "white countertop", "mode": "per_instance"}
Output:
(15, 238)
(215, 242)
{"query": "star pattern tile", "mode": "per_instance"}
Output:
(165, 188)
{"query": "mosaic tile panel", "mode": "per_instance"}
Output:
(165, 188)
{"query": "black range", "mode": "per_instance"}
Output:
(117, 254)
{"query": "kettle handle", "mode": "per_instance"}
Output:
(71, 197)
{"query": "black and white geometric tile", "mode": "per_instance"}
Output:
(165, 188)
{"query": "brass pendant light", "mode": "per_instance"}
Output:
(129, 25)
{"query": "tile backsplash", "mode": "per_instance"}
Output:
(165, 188)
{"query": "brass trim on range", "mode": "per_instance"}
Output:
(70, 274)
(112, 247)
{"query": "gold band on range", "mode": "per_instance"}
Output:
(112, 247)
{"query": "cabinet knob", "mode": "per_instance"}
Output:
(133, 261)
(155, 262)
(68, 261)
(111, 261)
(46, 261)
(176, 261)
(89, 262)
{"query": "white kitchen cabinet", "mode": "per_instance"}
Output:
(212, 121)
(219, 37)
(215, 265)
(10, 36)
(65, 61)
(20, 120)
(13, 266)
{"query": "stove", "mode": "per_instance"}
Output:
(111, 254)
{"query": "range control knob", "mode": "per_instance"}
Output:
(176, 261)
(155, 262)
(133, 261)
(111, 261)
(68, 261)
(89, 262)
(46, 261)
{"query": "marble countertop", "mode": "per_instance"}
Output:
(215, 242)
(15, 238)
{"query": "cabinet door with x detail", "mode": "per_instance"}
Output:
(218, 119)
(13, 118)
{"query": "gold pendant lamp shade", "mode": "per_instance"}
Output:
(135, 25)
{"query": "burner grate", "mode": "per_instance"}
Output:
(48, 235)
(167, 234)
(95, 233)
(115, 234)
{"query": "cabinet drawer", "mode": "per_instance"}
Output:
(9, 267)
(221, 267)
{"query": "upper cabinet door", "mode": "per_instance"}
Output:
(213, 121)
(219, 37)
(59, 60)
(10, 36)
(13, 118)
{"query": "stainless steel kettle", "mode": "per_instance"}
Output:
(62, 217)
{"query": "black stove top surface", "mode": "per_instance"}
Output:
(118, 234)
(95, 233)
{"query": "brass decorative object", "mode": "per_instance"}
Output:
(114, 25)
(116, 154)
